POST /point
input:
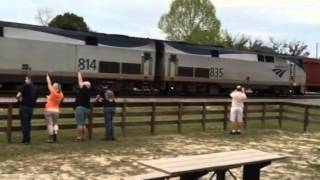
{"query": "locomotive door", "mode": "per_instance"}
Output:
(292, 73)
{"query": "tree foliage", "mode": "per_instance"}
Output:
(259, 46)
(239, 42)
(192, 21)
(69, 21)
(294, 48)
(195, 21)
(242, 42)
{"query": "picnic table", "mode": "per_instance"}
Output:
(193, 167)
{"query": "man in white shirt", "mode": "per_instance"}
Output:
(236, 114)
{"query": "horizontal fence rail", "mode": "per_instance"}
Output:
(166, 113)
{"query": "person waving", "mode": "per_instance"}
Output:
(52, 108)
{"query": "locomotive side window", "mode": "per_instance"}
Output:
(214, 53)
(260, 58)
(91, 41)
(185, 71)
(109, 67)
(131, 68)
(269, 59)
(202, 72)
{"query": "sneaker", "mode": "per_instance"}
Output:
(78, 140)
(54, 138)
(110, 139)
(238, 132)
(233, 132)
(50, 139)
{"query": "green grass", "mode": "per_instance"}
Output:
(139, 144)
(133, 134)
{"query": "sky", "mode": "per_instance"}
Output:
(281, 19)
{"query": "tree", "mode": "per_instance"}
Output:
(239, 42)
(69, 21)
(294, 48)
(192, 21)
(44, 16)
(259, 46)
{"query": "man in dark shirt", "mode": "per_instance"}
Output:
(27, 96)
(82, 107)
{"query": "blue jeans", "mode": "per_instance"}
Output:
(25, 119)
(108, 122)
(81, 114)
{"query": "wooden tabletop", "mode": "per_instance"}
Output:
(214, 161)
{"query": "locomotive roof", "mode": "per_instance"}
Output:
(129, 41)
(107, 39)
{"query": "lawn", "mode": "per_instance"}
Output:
(98, 159)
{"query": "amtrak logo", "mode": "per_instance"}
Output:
(279, 72)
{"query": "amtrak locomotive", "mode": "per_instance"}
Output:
(139, 65)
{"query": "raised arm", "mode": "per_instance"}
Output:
(80, 80)
(98, 98)
(18, 96)
(244, 96)
(244, 93)
(49, 83)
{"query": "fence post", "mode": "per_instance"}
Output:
(9, 123)
(263, 119)
(153, 118)
(90, 122)
(225, 117)
(281, 111)
(204, 116)
(179, 117)
(123, 119)
(306, 118)
(245, 115)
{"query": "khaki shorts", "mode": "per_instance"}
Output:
(236, 114)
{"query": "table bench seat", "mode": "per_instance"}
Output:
(191, 167)
(150, 176)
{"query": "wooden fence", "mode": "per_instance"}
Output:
(159, 113)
